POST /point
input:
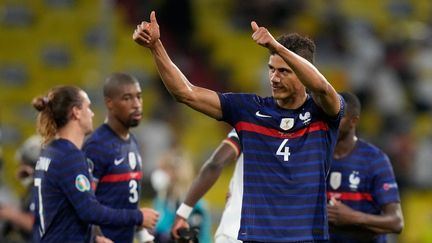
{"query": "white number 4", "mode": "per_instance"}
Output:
(284, 150)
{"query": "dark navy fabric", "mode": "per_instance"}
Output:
(117, 170)
(65, 204)
(363, 180)
(287, 155)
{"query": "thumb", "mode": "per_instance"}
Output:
(153, 17)
(254, 26)
(333, 201)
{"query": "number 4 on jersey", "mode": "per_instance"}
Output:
(283, 150)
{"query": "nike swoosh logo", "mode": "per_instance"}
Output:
(118, 161)
(262, 115)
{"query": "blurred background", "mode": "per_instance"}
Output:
(379, 49)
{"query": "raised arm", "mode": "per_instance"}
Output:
(208, 175)
(322, 92)
(203, 100)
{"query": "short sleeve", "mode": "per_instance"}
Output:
(385, 189)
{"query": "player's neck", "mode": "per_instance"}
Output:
(75, 136)
(292, 102)
(345, 146)
(119, 129)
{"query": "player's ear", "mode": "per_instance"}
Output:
(355, 120)
(108, 102)
(75, 113)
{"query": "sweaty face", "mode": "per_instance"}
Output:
(86, 117)
(126, 105)
(284, 82)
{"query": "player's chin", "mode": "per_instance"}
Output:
(278, 95)
(134, 122)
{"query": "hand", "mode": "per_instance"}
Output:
(150, 218)
(339, 213)
(263, 37)
(179, 223)
(102, 239)
(146, 34)
(7, 212)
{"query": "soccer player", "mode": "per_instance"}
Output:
(364, 199)
(65, 203)
(287, 139)
(225, 153)
(114, 151)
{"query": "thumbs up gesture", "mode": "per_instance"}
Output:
(147, 33)
(263, 37)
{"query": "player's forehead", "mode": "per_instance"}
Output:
(127, 89)
(277, 62)
(84, 97)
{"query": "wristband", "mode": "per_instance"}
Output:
(144, 236)
(184, 211)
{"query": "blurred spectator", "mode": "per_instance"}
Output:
(269, 13)
(19, 218)
(171, 181)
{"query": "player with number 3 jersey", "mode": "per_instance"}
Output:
(114, 151)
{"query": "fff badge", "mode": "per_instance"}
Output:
(335, 180)
(287, 123)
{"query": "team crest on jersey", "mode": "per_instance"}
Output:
(354, 180)
(305, 117)
(287, 123)
(335, 180)
(82, 183)
(132, 160)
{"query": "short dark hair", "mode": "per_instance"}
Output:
(352, 103)
(115, 80)
(301, 45)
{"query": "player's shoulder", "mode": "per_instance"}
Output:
(62, 152)
(371, 149)
(101, 135)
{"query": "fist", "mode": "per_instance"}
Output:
(150, 218)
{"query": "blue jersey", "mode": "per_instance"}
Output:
(117, 169)
(65, 204)
(364, 181)
(287, 153)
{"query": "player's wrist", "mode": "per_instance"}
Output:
(184, 211)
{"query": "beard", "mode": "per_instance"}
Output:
(133, 122)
